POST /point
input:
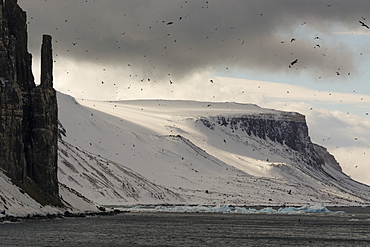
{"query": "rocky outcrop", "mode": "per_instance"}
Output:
(44, 126)
(46, 62)
(28, 113)
(288, 128)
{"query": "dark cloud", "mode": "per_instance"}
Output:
(161, 37)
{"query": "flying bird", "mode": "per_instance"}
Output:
(170, 23)
(292, 63)
(364, 25)
(293, 39)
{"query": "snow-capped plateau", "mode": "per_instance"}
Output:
(187, 152)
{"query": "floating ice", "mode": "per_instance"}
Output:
(318, 208)
(267, 210)
(199, 208)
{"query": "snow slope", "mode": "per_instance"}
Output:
(158, 151)
(180, 152)
(15, 202)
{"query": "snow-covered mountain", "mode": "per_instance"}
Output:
(159, 151)
(187, 152)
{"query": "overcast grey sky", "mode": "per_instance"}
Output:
(171, 39)
(178, 49)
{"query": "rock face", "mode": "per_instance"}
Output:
(28, 113)
(44, 126)
(289, 128)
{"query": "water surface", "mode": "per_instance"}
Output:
(193, 229)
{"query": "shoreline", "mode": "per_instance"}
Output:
(66, 214)
(115, 210)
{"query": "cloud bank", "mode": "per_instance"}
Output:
(162, 39)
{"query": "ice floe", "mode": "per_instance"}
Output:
(317, 208)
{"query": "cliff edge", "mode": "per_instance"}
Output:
(28, 113)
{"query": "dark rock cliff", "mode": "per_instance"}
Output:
(28, 113)
(288, 128)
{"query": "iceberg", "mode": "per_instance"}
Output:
(267, 210)
(318, 208)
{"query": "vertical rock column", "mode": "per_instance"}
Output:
(46, 62)
(44, 134)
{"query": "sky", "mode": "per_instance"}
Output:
(310, 56)
(154, 42)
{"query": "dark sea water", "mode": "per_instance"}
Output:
(193, 229)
